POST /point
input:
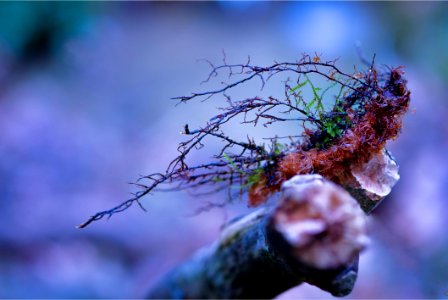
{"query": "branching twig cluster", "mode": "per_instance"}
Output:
(258, 167)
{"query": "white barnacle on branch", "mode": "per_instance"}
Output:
(373, 180)
(378, 175)
(322, 223)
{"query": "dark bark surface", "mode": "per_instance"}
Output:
(254, 259)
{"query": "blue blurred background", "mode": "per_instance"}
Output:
(85, 107)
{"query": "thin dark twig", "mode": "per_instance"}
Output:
(242, 165)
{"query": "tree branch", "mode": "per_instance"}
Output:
(273, 249)
(313, 234)
(330, 141)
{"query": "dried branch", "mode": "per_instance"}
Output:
(313, 234)
(366, 112)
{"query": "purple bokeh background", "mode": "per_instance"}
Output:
(85, 108)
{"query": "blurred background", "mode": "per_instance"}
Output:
(85, 108)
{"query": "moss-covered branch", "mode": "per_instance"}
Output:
(341, 126)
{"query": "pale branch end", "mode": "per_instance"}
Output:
(374, 180)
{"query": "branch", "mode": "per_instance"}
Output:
(336, 141)
(314, 234)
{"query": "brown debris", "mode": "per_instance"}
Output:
(381, 121)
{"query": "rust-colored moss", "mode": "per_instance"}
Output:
(380, 121)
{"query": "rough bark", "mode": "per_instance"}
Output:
(273, 249)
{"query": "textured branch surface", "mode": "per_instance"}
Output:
(314, 234)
